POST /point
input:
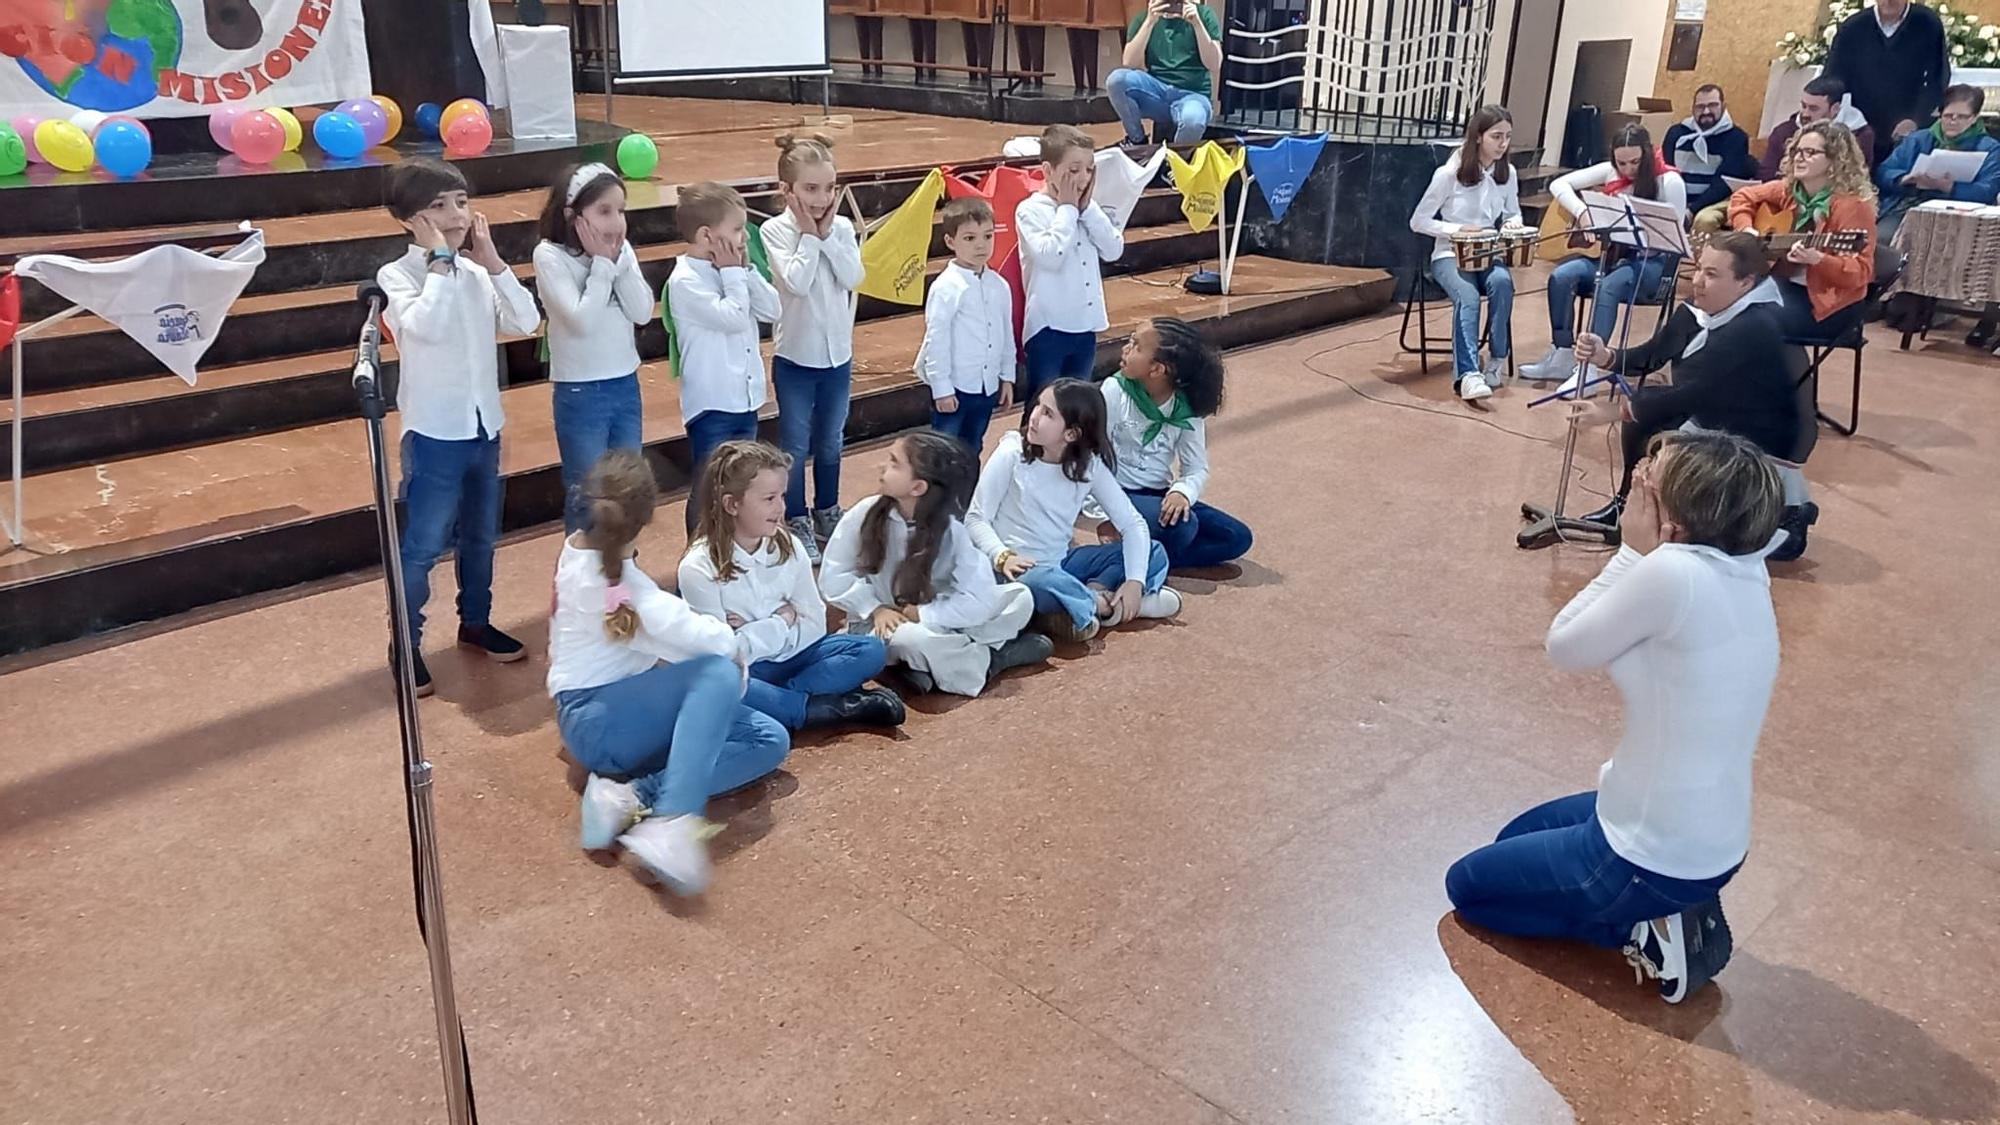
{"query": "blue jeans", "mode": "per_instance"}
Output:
(1056, 355)
(679, 731)
(968, 423)
(592, 418)
(1204, 537)
(1578, 277)
(1551, 874)
(1138, 97)
(812, 420)
(1465, 289)
(833, 665)
(1066, 588)
(705, 431)
(451, 499)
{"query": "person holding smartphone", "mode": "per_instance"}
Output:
(1170, 71)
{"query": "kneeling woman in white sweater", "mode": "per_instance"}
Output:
(903, 567)
(648, 696)
(1687, 631)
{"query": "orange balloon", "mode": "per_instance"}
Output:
(394, 112)
(459, 109)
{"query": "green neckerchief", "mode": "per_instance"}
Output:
(1964, 140)
(1177, 415)
(1810, 208)
(760, 260)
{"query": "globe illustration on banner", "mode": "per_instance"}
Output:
(105, 55)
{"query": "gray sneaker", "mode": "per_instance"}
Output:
(802, 528)
(825, 520)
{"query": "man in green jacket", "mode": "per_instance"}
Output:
(1173, 58)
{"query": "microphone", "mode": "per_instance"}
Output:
(370, 296)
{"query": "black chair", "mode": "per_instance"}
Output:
(1889, 264)
(1664, 298)
(1422, 290)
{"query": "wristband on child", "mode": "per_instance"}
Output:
(1000, 563)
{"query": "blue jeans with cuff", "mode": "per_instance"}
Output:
(451, 501)
(812, 422)
(1065, 587)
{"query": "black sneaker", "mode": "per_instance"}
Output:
(492, 642)
(423, 674)
(870, 707)
(1021, 652)
(1795, 521)
(1682, 951)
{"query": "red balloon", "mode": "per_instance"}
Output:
(257, 137)
(468, 136)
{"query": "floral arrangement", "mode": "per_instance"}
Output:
(1972, 43)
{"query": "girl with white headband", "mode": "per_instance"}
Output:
(594, 296)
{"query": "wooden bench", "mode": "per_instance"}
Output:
(1084, 20)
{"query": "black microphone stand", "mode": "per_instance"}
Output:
(422, 813)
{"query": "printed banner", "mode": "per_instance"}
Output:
(1201, 182)
(171, 299)
(893, 257)
(1280, 170)
(1004, 187)
(1121, 181)
(178, 58)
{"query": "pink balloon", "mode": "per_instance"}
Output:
(222, 125)
(368, 114)
(25, 125)
(468, 136)
(141, 125)
(258, 137)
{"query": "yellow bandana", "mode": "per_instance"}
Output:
(1201, 182)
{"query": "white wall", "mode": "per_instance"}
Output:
(1641, 21)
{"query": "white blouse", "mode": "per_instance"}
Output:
(1447, 205)
(762, 584)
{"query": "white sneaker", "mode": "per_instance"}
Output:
(673, 851)
(1161, 604)
(609, 807)
(1472, 387)
(1575, 379)
(1657, 950)
(1560, 363)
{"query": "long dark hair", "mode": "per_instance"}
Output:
(1080, 405)
(947, 465)
(1191, 362)
(555, 224)
(1645, 181)
(1468, 153)
(621, 493)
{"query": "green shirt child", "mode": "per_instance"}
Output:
(1172, 55)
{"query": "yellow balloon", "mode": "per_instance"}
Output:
(65, 146)
(395, 113)
(458, 109)
(293, 133)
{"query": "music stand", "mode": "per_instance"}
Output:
(1641, 225)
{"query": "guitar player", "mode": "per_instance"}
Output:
(1826, 188)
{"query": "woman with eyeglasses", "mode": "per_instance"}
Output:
(1957, 129)
(1826, 188)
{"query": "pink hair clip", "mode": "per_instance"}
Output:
(616, 596)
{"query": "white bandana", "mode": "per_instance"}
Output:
(581, 180)
(1698, 136)
(1764, 292)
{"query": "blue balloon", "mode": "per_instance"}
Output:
(429, 115)
(123, 149)
(339, 135)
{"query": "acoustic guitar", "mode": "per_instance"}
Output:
(1775, 228)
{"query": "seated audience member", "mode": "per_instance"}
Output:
(1706, 147)
(1825, 189)
(1682, 619)
(1957, 129)
(1732, 371)
(1173, 57)
(1824, 99)
(1475, 190)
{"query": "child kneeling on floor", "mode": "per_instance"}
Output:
(1025, 510)
(748, 570)
(903, 567)
(646, 689)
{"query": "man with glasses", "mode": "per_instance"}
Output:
(1892, 58)
(1707, 147)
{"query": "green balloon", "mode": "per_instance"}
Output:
(13, 154)
(638, 156)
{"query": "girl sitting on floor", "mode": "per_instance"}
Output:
(646, 690)
(747, 569)
(1024, 515)
(904, 569)
(1169, 382)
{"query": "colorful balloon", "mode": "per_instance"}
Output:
(470, 135)
(127, 120)
(24, 127)
(395, 114)
(220, 124)
(123, 148)
(257, 137)
(289, 121)
(374, 123)
(460, 108)
(339, 135)
(638, 156)
(87, 120)
(13, 152)
(430, 119)
(64, 145)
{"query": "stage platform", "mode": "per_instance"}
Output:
(146, 497)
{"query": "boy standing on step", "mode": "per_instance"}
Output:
(1063, 238)
(449, 297)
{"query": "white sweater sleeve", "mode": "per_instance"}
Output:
(968, 601)
(635, 298)
(1103, 233)
(513, 304)
(1636, 597)
(839, 576)
(567, 303)
(1193, 455)
(1674, 191)
(1136, 541)
(934, 358)
(670, 629)
(1425, 219)
(994, 481)
(1566, 187)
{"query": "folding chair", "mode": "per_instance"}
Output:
(1889, 264)
(1421, 291)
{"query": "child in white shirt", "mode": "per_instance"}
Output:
(447, 301)
(646, 689)
(1063, 236)
(588, 278)
(816, 263)
(1475, 190)
(717, 299)
(1025, 510)
(745, 569)
(967, 357)
(903, 567)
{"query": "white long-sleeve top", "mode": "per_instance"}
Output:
(593, 304)
(816, 278)
(968, 343)
(716, 313)
(1060, 251)
(1175, 460)
(968, 595)
(1673, 189)
(1692, 643)
(583, 655)
(762, 584)
(447, 328)
(1030, 508)
(1447, 205)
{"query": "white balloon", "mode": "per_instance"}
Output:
(87, 120)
